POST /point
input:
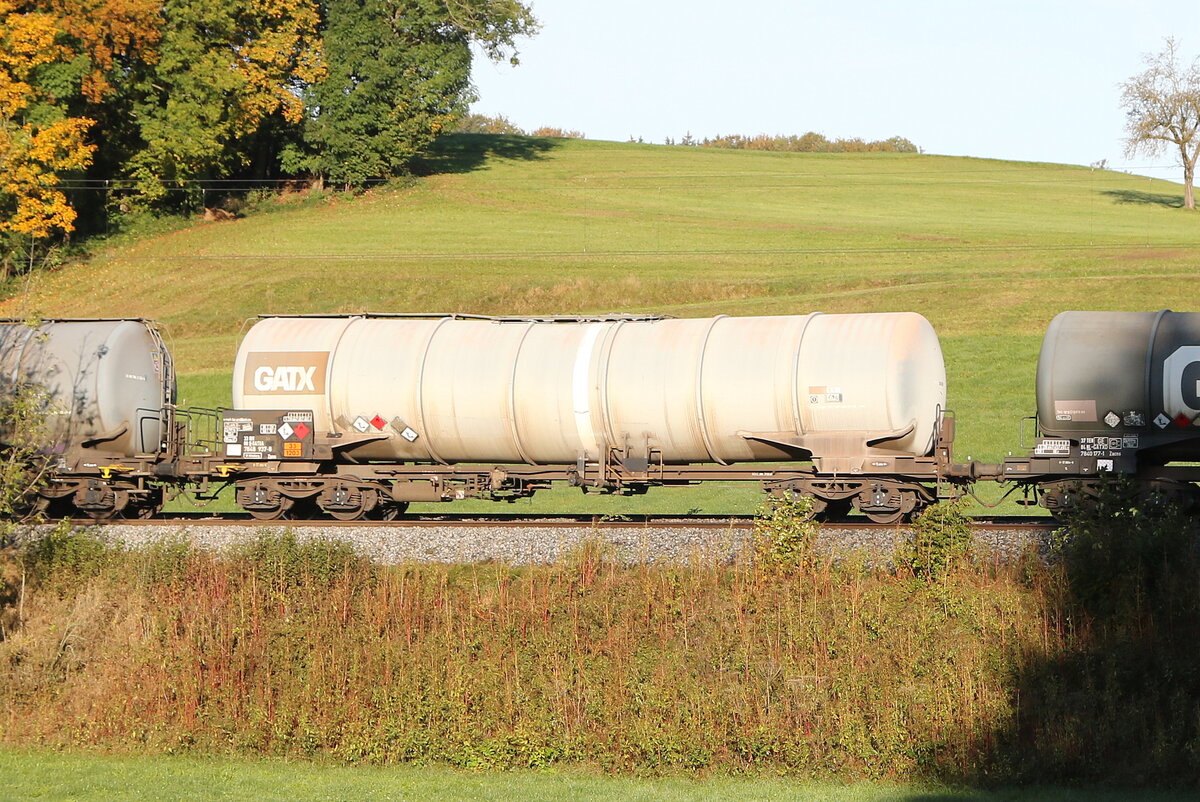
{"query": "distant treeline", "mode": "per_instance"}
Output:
(811, 142)
(485, 124)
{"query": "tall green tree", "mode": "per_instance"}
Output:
(166, 92)
(223, 72)
(399, 74)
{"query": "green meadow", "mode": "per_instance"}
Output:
(83, 777)
(988, 250)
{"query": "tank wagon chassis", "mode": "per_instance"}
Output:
(1058, 475)
(129, 488)
(891, 488)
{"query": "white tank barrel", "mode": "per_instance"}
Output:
(555, 391)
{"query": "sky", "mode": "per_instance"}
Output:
(1021, 80)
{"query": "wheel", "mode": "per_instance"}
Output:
(886, 504)
(100, 502)
(832, 510)
(263, 502)
(387, 512)
(347, 502)
(53, 508)
(276, 513)
(891, 517)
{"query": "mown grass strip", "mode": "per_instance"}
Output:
(87, 776)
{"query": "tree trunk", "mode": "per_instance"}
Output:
(1189, 175)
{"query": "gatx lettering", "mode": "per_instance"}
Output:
(286, 379)
(1181, 381)
(278, 372)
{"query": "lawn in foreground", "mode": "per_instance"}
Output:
(83, 777)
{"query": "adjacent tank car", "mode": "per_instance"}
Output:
(108, 390)
(1119, 393)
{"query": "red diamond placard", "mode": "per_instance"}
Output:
(301, 430)
(1182, 420)
(378, 422)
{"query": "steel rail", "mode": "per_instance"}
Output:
(550, 520)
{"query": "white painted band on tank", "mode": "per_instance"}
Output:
(513, 413)
(798, 372)
(581, 391)
(420, 391)
(704, 435)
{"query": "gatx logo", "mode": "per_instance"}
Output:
(284, 372)
(1181, 381)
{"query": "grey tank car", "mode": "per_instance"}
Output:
(1117, 392)
(108, 392)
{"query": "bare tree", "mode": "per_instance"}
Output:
(1162, 107)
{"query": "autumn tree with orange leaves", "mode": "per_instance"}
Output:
(38, 138)
(149, 98)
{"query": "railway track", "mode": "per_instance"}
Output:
(522, 539)
(546, 521)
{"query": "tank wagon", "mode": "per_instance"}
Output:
(359, 415)
(1117, 392)
(108, 391)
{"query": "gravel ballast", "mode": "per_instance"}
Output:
(533, 544)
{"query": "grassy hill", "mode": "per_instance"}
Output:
(988, 250)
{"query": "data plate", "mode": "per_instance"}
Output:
(267, 434)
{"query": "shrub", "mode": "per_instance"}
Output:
(1126, 547)
(286, 562)
(784, 530)
(810, 142)
(553, 132)
(484, 124)
(22, 438)
(941, 537)
(64, 557)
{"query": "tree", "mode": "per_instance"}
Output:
(155, 95)
(1162, 107)
(399, 75)
(223, 72)
(37, 137)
